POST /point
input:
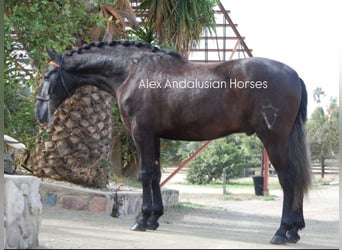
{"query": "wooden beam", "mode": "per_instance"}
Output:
(186, 162)
(237, 33)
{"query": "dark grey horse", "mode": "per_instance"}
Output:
(162, 95)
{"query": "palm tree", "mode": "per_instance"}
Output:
(317, 93)
(178, 23)
(77, 147)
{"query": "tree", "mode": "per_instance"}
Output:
(27, 32)
(237, 153)
(77, 146)
(317, 93)
(323, 133)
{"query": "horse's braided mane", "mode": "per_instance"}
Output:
(126, 43)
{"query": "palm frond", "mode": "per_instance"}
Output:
(179, 23)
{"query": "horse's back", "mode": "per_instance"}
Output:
(253, 88)
(259, 68)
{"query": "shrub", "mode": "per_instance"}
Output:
(221, 153)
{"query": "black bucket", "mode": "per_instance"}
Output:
(258, 185)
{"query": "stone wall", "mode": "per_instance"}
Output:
(27, 196)
(23, 209)
(115, 203)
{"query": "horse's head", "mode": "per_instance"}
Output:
(53, 90)
(102, 64)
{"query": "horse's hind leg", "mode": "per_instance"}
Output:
(157, 208)
(292, 216)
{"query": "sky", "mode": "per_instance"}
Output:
(301, 33)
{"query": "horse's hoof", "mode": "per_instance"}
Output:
(139, 227)
(278, 240)
(153, 226)
(292, 237)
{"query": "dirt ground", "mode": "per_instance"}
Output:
(207, 219)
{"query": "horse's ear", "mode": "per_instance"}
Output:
(54, 56)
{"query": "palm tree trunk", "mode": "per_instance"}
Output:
(77, 146)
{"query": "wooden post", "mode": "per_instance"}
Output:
(224, 180)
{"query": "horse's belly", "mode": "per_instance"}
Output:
(199, 132)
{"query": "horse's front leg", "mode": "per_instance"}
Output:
(146, 153)
(158, 208)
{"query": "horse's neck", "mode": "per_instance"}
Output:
(112, 71)
(107, 77)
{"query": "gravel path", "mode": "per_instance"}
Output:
(206, 219)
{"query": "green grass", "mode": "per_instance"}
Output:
(240, 197)
(189, 205)
(231, 184)
(125, 181)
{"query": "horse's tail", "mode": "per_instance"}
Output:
(298, 153)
